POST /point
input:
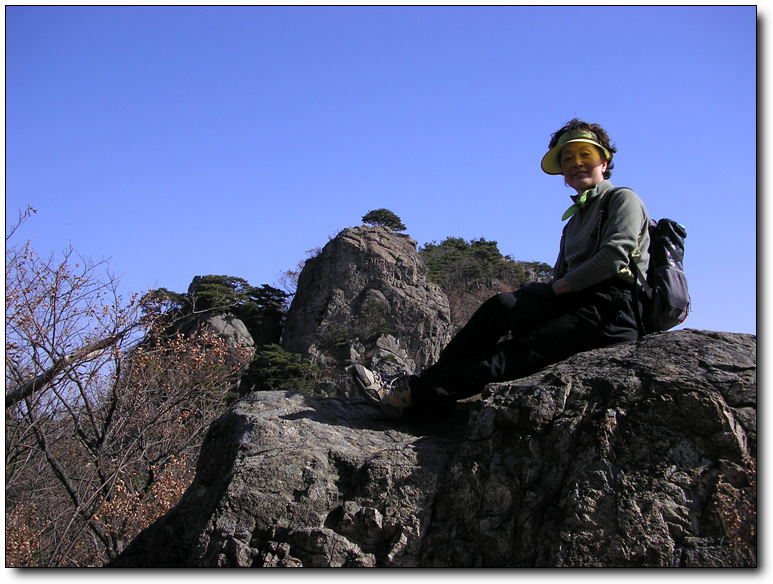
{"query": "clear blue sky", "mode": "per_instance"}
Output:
(184, 141)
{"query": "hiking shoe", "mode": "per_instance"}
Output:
(391, 393)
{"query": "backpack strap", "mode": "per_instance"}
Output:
(632, 265)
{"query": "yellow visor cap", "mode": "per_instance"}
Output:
(551, 163)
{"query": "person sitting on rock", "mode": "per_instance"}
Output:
(590, 303)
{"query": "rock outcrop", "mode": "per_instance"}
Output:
(635, 455)
(239, 344)
(365, 298)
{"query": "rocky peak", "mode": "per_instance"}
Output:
(365, 298)
(635, 455)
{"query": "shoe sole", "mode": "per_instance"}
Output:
(372, 395)
(360, 376)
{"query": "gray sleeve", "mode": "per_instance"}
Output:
(623, 232)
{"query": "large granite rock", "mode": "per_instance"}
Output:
(365, 298)
(636, 455)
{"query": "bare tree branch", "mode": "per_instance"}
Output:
(100, 440)
(47, 377)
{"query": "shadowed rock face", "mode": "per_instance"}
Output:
(636, 455)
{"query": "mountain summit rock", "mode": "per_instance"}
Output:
(635, 455)
(366, 298)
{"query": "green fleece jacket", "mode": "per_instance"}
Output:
(582, 261)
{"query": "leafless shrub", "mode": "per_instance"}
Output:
(102, 430)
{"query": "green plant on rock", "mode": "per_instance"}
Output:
(371, 322)
(274, 369)
(335, 338)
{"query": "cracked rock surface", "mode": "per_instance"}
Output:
(636, 455)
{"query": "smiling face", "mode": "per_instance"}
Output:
(582, 165)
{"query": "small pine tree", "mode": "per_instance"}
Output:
(274, 369)
(383, 218)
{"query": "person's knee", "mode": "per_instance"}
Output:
(503, 301)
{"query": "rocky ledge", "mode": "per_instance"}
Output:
(636, 455)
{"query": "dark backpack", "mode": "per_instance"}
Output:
(666, 301)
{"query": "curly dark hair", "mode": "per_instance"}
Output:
(601, 135)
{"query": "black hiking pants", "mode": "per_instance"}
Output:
(545, 329)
